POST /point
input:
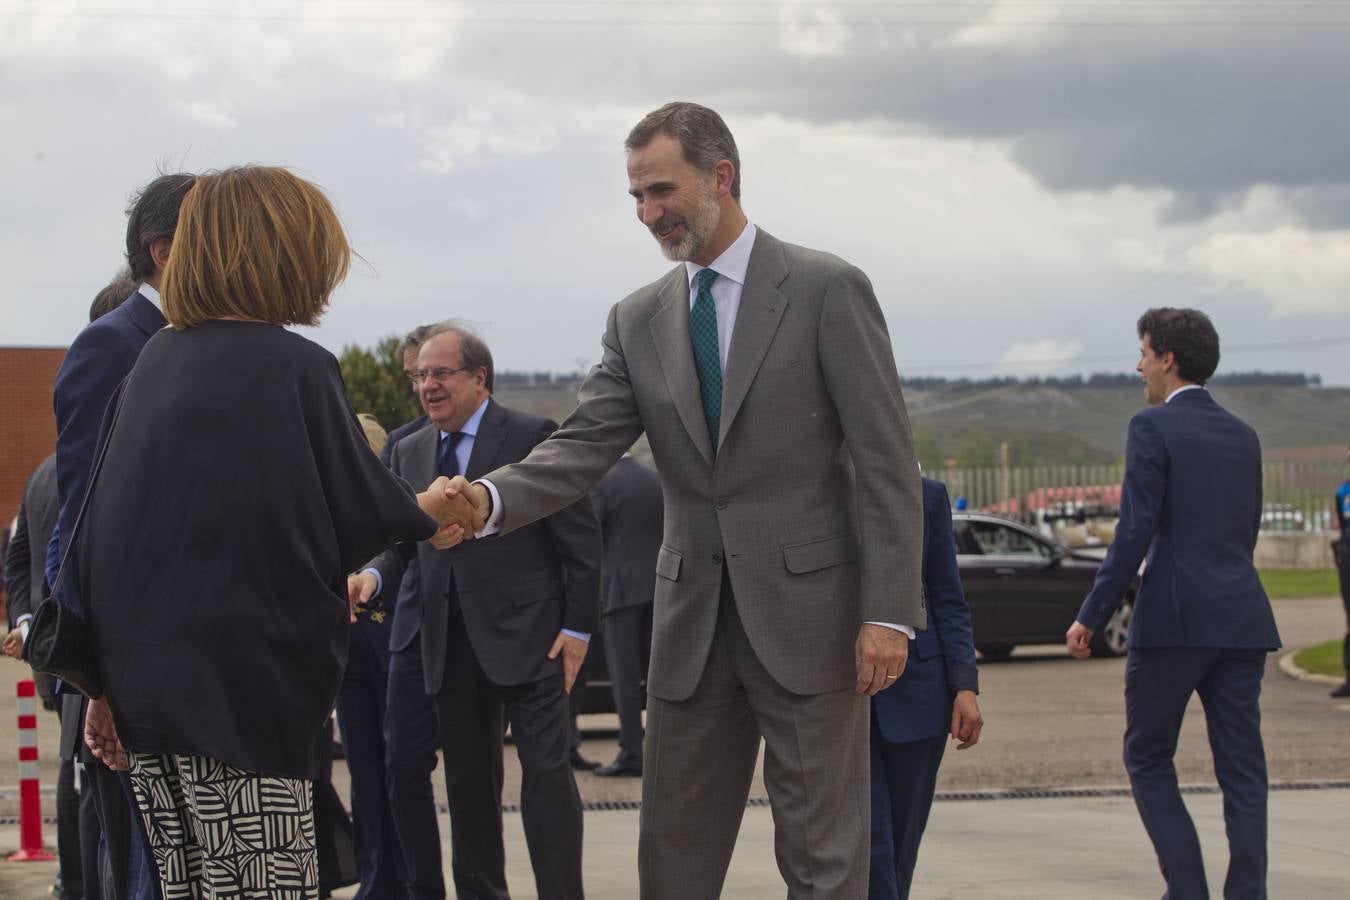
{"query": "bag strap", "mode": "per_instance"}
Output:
(114, 408)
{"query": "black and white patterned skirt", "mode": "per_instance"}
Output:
(217, 831)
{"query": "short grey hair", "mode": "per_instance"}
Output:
(413, 340)
(703, 136)
(473, 352)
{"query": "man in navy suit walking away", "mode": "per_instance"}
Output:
(1191, 504)
(911, 721)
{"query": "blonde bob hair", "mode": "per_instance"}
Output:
(254, 242)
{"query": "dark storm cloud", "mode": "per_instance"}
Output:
(1204, 111)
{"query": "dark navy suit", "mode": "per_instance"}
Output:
(364, 705)
(97, 361)
(361, 711)
(411, 731)
(1191, 504)
(911, 719)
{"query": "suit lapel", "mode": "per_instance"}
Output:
(488, 440)
(420, 469)
(670, 332)
(757, 321)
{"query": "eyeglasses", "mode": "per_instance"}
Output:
(440, 376)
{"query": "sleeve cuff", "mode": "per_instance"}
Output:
(905, 628)
(494, 522)
(379, 581)
(579, 635)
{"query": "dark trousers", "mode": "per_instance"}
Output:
(91, 840)
(904, 777)
(71, 872)
(628, 640)
(472, 712)
(411, 739)
(1158, 684)
(361, 706)
(1343, 570)
(126, 870)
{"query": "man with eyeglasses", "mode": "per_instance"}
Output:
(504, 628)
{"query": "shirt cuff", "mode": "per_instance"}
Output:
(494, 521)
(905, 628)
(22, 625)
(379, 581)
(579, 635)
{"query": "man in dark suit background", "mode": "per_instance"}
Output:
(504, 629)
(628, 504)
(26, 582)
(407, 352)
(386, 718)
(93, 367)
(1191, 503)
(912, 721)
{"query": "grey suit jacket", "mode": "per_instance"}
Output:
(515, 593)
(812, 503)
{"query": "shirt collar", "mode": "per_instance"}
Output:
(152, 295)
(470, 428)
(1184, 387)
(734, 261)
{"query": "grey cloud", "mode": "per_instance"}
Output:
(1205, 112)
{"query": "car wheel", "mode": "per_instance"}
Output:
(1111, 640)
(996, 651)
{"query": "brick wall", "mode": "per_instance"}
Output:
(27, 426)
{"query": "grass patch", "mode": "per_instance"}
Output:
(1285, 583)
(1324, 659)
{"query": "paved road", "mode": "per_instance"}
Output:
(1052, 722)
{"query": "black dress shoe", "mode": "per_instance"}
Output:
(1342, 691)
(619, 769)
(582, 763)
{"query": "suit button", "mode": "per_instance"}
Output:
(717, 559)
(721, 504)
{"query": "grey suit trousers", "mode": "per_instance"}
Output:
(693, 800)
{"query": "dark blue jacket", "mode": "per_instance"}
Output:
(1191, 503)
(94, 366)
(941, 656)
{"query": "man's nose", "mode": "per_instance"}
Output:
(650, 213)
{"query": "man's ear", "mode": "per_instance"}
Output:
(724, 174)
(159, 252)
(1169, 361)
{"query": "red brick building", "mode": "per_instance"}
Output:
(27, 424)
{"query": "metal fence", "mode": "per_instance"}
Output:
(1299, 496)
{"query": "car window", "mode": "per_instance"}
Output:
(1001, 540)
(965, 540)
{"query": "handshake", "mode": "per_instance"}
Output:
(460, 507)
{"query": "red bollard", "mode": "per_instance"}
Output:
(30, 800)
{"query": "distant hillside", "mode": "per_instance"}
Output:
(1050, 425)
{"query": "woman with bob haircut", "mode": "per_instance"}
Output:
(236, 493)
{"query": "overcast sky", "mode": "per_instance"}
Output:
(1019, 179)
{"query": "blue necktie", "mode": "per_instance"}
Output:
(448, 463)
(707, 361)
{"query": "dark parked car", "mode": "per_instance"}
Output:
(1026, 589)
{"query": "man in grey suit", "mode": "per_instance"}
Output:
(628, 504)
(763, 376)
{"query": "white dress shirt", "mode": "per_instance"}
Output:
(1184, 387)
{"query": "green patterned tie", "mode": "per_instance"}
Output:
(703, 332)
